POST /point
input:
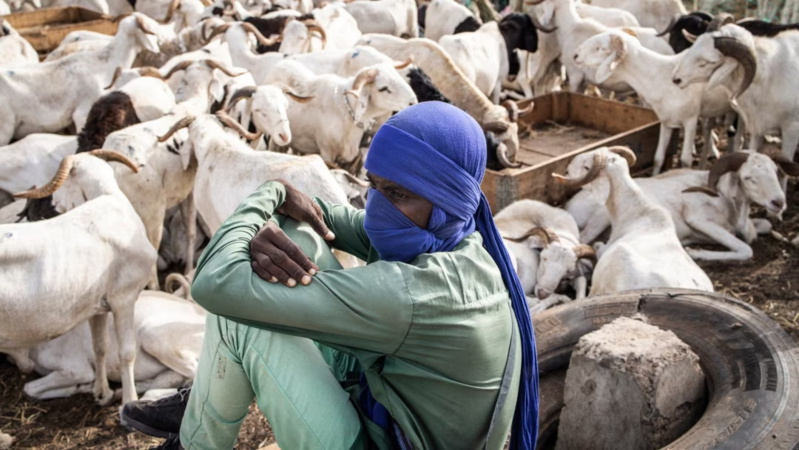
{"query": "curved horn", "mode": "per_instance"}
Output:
(58, 179)
(668, 28)
(173, 6)
(404, 64)
(355, 180)
(497, 127)
(118, 18)
(729, 46)
(150, 71)
(231, 123)
(625, 153)
(365, 77)
(177, 279)
(538, 25)
(206, 3)
(688, 36)
(730, 162)
(701, 189)
(596, 167)
(241, 94)
(260, 37)
(110, 155)
(143, 25)
(313, 26)
(787, 166)
(702, 15)
(584, 251)
(296, 97)
(719, 21)
(546, 234)
(533, 2)
(183, 65)
(504, 159)
(217, 31)
(182, 123)
(213, 64)
(513, 109)
(117, 73)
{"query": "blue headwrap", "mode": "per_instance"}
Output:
(439, 152)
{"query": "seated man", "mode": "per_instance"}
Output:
(421, 348)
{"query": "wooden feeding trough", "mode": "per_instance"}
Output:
(46, 28)
(563, 125)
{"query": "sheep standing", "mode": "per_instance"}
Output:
(46, 291)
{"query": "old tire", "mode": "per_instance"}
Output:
(751, 365)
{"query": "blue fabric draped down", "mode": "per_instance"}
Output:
(439, 152)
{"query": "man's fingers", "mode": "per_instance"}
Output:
(268, 265)
(262, 272)
(317, 221)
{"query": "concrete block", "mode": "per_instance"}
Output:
(630, 386)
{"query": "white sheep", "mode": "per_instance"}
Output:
(444, 17)
(170, 333)
(760, 73)
(656, 14)
(33, 160)
(92, 259)
(35, 104)
(554, 233)
(620, 55)
(392, 17)
(643, 250)
(714, 214)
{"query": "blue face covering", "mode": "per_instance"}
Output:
(438, 152)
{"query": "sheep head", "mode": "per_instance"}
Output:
(604, 52)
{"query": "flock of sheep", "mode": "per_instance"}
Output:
(121, 154)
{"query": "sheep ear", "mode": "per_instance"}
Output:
(216, 90)
(186, 150)
(536, 242)
(721, 75)
(361, 104)
(609, 65)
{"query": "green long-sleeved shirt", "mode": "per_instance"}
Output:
(432, 335)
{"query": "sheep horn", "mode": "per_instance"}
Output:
(110, 155)
(719, 21)
(150, 71)
(729, 46)
(546, 234)
(504, 159)
(143, 26)
(231, 123)
(688, 36)
(183, 65)
(702, 190)
(117, 73)
(241, 94)
(213, 64)
(297, 98)
(118, 18)
(702, 15)
(170, 12)
(787, 166)
(404, 64)
(584, 251)
(217, 31)
(206, 3)
(538, 25)
(599, 163)
(58, 179)
(625, 153)
(182, 123)
(353, 179)
(497, 127)
(313, 26)
(178, 279)
(513, 110)
(260, 37)
(533, 2)
(730, 162)
(668, 28)
(365, 77)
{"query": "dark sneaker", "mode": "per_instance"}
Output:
(160, 418)
(172, 443)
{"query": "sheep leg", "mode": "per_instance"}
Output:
(688, 144)
(596, 225)
(59, 384)
(22, 359)
(552, 300)
(580, 287)
(155, 233)
(790, 139)
(99, 328)
(710, 146)
(126, 340)
(737, 139)
(190, 217)
(663, 144)
(739, 250)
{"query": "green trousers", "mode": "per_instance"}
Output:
(300, 386)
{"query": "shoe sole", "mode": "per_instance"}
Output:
(127, 422)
